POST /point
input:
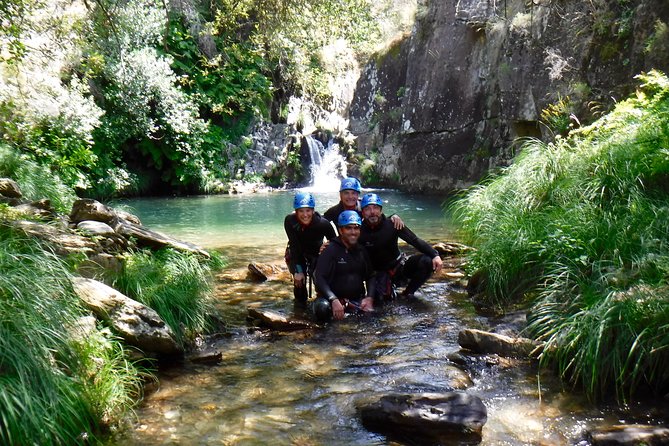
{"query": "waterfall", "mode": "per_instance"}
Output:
(328, 166)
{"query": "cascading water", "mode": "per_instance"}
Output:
(328, 166)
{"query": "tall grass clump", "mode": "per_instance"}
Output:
(53, 383)
(581, 228)
(35, 180)
(176, 285)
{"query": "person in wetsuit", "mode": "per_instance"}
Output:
(342, 271)
(306, 230)
(349, 200)
(379, 237)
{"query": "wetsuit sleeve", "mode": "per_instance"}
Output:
(329, 230)
(297, 259)
(324, 272)
(370, 274)
(331, 214)
(408, 236)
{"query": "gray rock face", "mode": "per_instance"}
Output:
(136, 323)
(442, 106)
(428, 418)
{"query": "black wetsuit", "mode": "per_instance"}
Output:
(332, 214)
(381, 244)
(342, 273)
(304, 243)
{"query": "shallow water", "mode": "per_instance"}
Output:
(303, 388)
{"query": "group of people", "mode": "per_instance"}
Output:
(358, 266)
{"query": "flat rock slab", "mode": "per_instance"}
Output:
(480, 341)
(277, 321)
(427, 418)
(262, 271)
(630, 435)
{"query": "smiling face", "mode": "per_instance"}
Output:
(349, 235)
(305, 215)
(372, 214)
(349, 198)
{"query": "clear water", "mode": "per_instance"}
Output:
(303, 388)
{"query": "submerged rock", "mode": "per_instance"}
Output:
(427, 418)
(277, 321)
(630, 435)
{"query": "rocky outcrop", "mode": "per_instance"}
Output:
(441, 106)
(427, 418)
(136, 323)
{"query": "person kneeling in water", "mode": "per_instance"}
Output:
(342, 271)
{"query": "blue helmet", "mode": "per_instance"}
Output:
(350, 183)
(368, 199)
(349, 218)
(304, 200)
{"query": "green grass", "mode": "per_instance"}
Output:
(580, 227)
(35, 181)
(175, 284)
(55, 387)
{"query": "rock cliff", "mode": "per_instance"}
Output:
(443, 104)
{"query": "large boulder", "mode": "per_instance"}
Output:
(427, 418)
(136, 323)
(89, 209)
(9, 188)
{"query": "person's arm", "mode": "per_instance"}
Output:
(297, 260)
(322, 276)
(367, 304)
(421, 245)
(397, 221)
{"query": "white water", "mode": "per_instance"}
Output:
(328, 166)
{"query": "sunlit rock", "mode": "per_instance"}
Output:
(10, 188)
(153, 239)
(430, 417)
(480, 341)
(136, 323)
(263, 271)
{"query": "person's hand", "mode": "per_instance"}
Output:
(323, 246)
(298, 280)
(337, 310)
(367, 304)
(437, 264)
(397, 221)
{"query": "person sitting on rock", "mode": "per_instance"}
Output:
(306, 230)
(342, 271)
(349, 200)
(393, 267)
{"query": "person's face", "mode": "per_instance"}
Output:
(349, 234)
(305, 215)
(372, 214)
(349, 198)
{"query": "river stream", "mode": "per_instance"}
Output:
(303, 388)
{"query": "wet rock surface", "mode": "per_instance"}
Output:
(428, 418)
